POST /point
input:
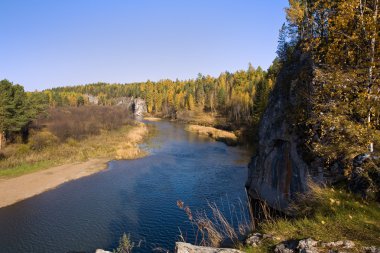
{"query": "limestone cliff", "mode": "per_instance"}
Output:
(278, 170)
(136, 105)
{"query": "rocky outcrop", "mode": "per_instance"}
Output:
(279, 171)
(364, 177)
(137, 105)
(182, 247)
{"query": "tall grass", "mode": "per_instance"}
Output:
(223, 224)
(327, 215)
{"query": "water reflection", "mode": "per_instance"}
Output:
(138, 197)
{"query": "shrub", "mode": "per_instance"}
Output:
(81, 122)
(23, 149)
(42, 140)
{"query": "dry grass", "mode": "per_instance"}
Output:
(131, 149)
(327, 215)
(152, 119)
(120, 144)
(214, 228)
(217, 134)
(197, 117)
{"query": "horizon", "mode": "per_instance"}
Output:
(57, 44)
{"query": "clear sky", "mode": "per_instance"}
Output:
(49, 43)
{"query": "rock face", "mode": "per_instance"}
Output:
(182, 247)
(278, 170)
(137, 105)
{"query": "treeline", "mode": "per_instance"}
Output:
(241, 96)
(342, 38)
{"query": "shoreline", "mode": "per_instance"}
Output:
(15, 189)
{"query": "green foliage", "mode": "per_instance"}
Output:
(17, 109)
(13, 107)
(341, 113)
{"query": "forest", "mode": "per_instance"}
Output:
(241, 97)
(342, 39)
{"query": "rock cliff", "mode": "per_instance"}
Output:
(137, 105)
(279, 170)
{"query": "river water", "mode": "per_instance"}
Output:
(137, 197)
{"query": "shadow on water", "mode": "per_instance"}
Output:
(136, 197)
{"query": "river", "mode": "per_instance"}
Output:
(137, 197)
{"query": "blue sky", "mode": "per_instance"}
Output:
(49, 43)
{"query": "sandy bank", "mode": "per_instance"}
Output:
(19, 188)
(15, 189)
(220, 135)
(152, 119)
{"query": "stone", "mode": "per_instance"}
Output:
(281, 248)
(254, 240)
(371, 249)
(102, 251)
(347, 244)
(286, 247)
(333, 244)
(182, 247)
(307, 246)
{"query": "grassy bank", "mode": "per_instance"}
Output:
(326, 215)
(113, 144)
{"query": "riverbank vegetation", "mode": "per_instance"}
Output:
(326, 215)
(231, 101)
(337, 120)
(73, 134)
(214, 133)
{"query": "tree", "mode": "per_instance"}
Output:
(282, 47)
(14, 112)
(80, 101)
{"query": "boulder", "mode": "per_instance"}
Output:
(182, 247)
(102, 251)
(372, 249)
(256, 239)
(365, 176)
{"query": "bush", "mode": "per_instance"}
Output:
(23, 149)
(42, 140)
(80, 122)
